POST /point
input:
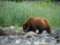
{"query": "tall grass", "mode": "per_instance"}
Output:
(12, 13)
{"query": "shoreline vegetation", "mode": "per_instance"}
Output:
(16, 13)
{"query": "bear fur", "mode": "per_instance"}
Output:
(36, 23)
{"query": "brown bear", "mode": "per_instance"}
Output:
(36, 23)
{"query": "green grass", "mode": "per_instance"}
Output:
(12, 13)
